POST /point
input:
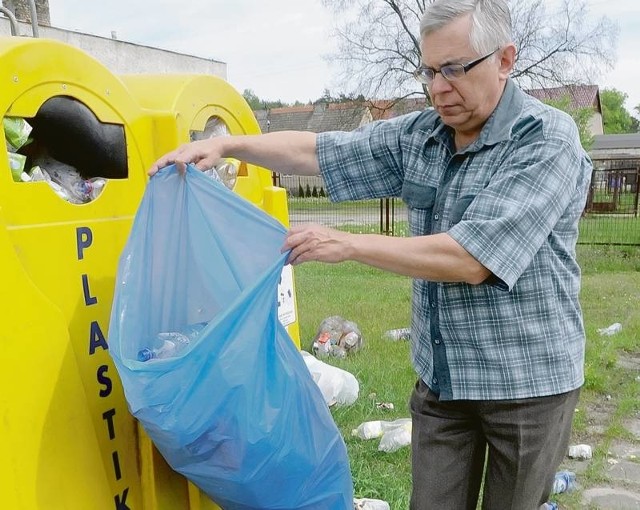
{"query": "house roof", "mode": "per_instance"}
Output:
(581, 96)
(348, 116)
(615, 147)
(623, 141)
(387, 108)
(316, 118)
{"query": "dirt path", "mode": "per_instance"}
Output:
(620, 487)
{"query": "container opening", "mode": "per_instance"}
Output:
(226, 171)
(66, 131)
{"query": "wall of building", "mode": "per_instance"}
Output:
(22, 12)
(122, 57)
(596, 126)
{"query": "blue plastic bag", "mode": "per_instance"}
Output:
(237, 412)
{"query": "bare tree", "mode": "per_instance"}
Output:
(379, 45)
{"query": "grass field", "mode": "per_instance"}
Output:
(363, 216)
(610, 229)
(378, 301)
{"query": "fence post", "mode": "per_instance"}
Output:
(637, 184)
(387, 216)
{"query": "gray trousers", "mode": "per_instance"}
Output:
(522, 443)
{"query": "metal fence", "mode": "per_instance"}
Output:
(387, 216)
(611, 216)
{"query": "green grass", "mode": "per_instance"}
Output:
(625, 200)
(377, 301)
(608, 259)
(322, 204)
(594, 230)
(609, 229)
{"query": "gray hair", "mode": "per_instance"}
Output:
(490, 21)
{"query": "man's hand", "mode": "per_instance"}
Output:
(205, 154)
(317, 243)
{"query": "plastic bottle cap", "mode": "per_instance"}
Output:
(145, 355)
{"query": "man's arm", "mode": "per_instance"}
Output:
(287, 152)
(435, 257)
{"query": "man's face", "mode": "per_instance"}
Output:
(466, 103)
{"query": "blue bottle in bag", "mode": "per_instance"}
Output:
(173, 343)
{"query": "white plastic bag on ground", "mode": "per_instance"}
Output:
(580, 452)
(370, 504)
(395, 438)
(337, 386)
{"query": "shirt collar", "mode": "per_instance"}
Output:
(498, 126)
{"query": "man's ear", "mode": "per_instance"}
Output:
(507, 56)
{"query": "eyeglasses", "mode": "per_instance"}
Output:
(450, 72)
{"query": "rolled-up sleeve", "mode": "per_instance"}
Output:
(505, 225)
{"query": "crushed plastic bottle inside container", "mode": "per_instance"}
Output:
(67, 183)
(16, 165)
(16, 132)
(225, 171)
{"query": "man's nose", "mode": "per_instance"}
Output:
(439, 84)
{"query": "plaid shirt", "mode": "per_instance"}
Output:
(513, 200)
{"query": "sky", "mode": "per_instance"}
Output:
(280, 48)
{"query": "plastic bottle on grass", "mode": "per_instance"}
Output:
(616, 327)
(564, 481)
(173, 343)
(376, 428)
(397, 334)
(368, 430)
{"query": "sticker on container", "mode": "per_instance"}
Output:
(286, 301)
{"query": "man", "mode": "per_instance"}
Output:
(495, 183)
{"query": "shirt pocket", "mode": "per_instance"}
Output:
(418, 196)
(459, 208)
(420, 200)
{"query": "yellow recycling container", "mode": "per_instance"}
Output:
(66, 436)
(188, 107)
